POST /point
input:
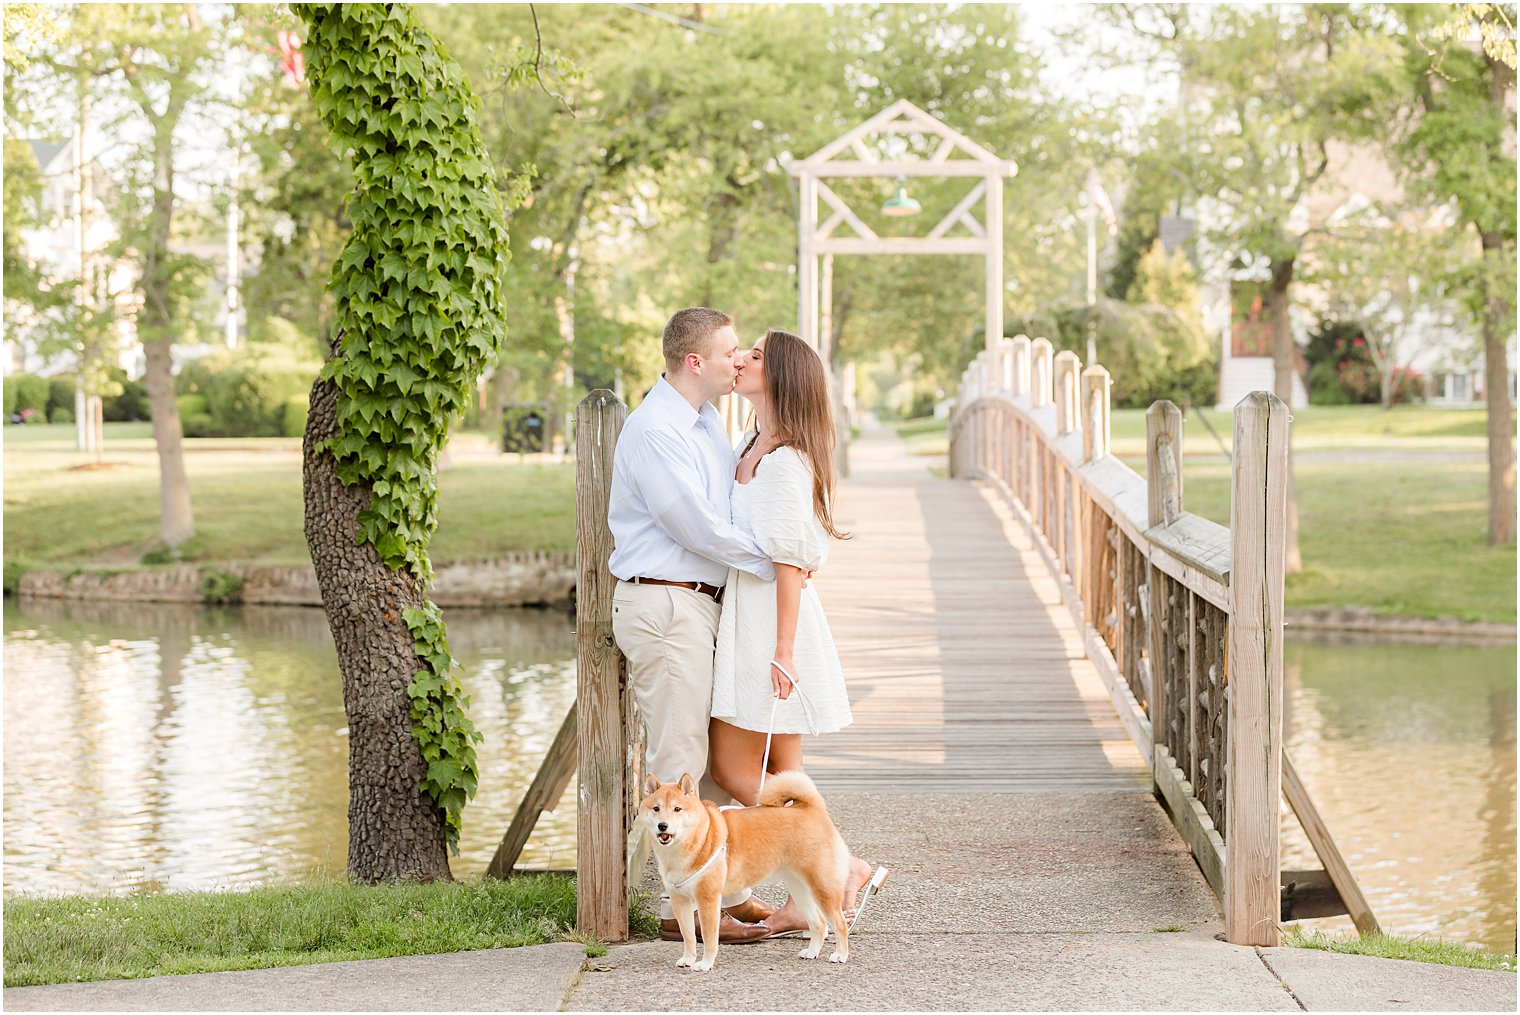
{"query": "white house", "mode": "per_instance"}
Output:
(1437, 341)
(70, 243)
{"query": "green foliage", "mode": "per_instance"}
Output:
(10, 395)
(58, 414)
(420, 314)
(29, 392)
(194, 415)
(60, 394)
(293, 417)
(1150, 350)
(129, 403)
(221, 587)
(159, 555)
(246, 390)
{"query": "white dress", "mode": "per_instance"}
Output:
(776, 506)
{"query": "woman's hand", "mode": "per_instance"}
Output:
(781, 687)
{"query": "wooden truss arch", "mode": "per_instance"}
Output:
(955, 156)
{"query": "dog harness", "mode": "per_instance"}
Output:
(718, 854)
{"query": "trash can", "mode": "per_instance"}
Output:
(523, 429)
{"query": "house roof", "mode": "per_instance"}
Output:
(47, 150)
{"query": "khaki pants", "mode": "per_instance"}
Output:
(668, 636)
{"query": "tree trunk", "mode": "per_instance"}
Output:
(394, 829)
(1501, 450)
(1284, 364)
(176, 524)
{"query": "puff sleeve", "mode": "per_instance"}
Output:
(781, 513)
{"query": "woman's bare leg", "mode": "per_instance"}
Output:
(734, 760)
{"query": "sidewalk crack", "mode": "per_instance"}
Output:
(1284, 983)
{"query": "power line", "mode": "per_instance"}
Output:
(675, 19)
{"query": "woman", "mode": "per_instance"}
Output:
(773, 634)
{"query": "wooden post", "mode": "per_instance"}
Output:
(1095, 397)
(1068, 369)
(601, 683)
(1040, 355)
(1005, 364)
(993, 331)
(1258, 521)
(1021, 353)
(807, 260)
(1163, 463)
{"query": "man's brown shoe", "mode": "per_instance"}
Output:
(751, 910)
(730, 931)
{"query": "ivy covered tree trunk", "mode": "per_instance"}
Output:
(418, 295)
(394, 829)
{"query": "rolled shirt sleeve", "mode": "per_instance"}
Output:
(673, 492)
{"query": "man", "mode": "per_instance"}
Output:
(674, 543)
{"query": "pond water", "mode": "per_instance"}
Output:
(1408, 751)
(180, 747)
(154, 746)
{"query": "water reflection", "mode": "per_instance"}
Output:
(1409, 752)
(181, 747)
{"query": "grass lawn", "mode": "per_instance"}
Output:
(1392, 505)
(1416, 949)
(61, 940)
(64, 511)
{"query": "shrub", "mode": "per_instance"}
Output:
(31, 392)
(246, 391)
(10, 396)
(60, 395)
(1341, 369)
(293, 417)
(130, 405)
(194, 420)
(221, 587)
(1325, 386)
(159, 555)
(60, 415)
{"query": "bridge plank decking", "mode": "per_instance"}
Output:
(966, 673)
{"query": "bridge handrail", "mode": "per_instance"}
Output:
(1154, 589)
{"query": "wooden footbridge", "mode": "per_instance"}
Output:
(1042, 619)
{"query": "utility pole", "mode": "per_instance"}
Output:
(234, 261)
(1092, 267)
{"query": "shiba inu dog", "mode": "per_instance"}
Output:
(704, 852)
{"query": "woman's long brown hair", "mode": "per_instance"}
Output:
(798, 390)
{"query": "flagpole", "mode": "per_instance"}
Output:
(1092, 268)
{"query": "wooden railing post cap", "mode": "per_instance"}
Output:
(1260, 401)
(599, 398)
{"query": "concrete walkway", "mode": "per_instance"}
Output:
(1032, 868)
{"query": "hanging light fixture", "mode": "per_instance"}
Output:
(900, 205)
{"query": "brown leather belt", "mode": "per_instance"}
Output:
(715, 591)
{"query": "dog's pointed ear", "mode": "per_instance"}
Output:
(688, 784)
(651, 783)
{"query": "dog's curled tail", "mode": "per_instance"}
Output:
(795, 788)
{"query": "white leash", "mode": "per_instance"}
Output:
(809, 715)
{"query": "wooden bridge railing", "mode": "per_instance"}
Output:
(1183, 621)
(1182, 617)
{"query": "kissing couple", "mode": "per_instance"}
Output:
(725, 638)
